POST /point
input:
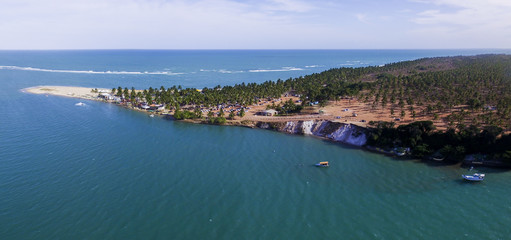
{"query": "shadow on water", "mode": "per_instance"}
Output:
(487, 170)
(433, 163)
(462, 181)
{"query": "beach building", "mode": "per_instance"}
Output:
(110, 97)
(106, 96)
(269, 112)
(157, 107)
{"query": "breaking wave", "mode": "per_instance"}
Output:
(88, 72)
(284, 69)
(221, 71)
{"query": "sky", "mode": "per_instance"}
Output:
(254, 24)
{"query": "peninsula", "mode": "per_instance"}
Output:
(443, 108)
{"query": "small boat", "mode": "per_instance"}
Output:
(152, 115)
(476, 177)
(400, 151)
(80, 104)
(321, 164)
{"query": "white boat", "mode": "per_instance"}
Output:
(476, 177)
(80, 104)
(400, 154)
(152, 115)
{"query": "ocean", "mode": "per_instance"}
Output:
(100, 171)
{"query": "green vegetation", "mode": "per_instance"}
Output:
(197, 114)
(453, 144)
(180, 115)
(217, 120)
(177, 97)
(473, 91)
(289, 107)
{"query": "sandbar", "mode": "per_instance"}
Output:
(66, 91)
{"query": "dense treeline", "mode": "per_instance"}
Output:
(177, 97)
(473, 91)
(452, 145)
(481, 85)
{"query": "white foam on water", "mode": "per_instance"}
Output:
(284, 69)
(220, 71)
(87, 71)
(228, 71)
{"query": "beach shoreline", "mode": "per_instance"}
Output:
(251, 115)
(342, 111)
(323, 126)
(250, 120)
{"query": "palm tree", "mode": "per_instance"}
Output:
(198, 113)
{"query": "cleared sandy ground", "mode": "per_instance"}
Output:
(348, 111)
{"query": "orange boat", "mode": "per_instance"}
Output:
(322, 164)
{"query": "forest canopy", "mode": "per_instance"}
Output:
(472, 93)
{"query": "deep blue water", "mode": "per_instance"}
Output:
(104, 172)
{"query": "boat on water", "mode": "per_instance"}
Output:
(152, 115)
(476, 177)
(80, 104)
(321, 164)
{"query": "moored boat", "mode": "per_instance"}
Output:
(476, 177)
(322, 164)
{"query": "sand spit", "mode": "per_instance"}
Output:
(74, 92)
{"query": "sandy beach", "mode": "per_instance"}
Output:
(65, 91)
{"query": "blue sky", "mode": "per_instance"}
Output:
(252, 24)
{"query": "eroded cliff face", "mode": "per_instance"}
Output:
(339, 132)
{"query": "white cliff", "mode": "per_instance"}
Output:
(339, 132)
(307, 127)
(347, 133)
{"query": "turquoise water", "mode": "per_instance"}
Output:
(104, 172)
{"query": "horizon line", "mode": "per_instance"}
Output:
(244, 49)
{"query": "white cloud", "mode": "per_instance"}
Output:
(144, 24)
(203, 24)
(466, 23)
(361, 17)
(472, 13)
(288, 6)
